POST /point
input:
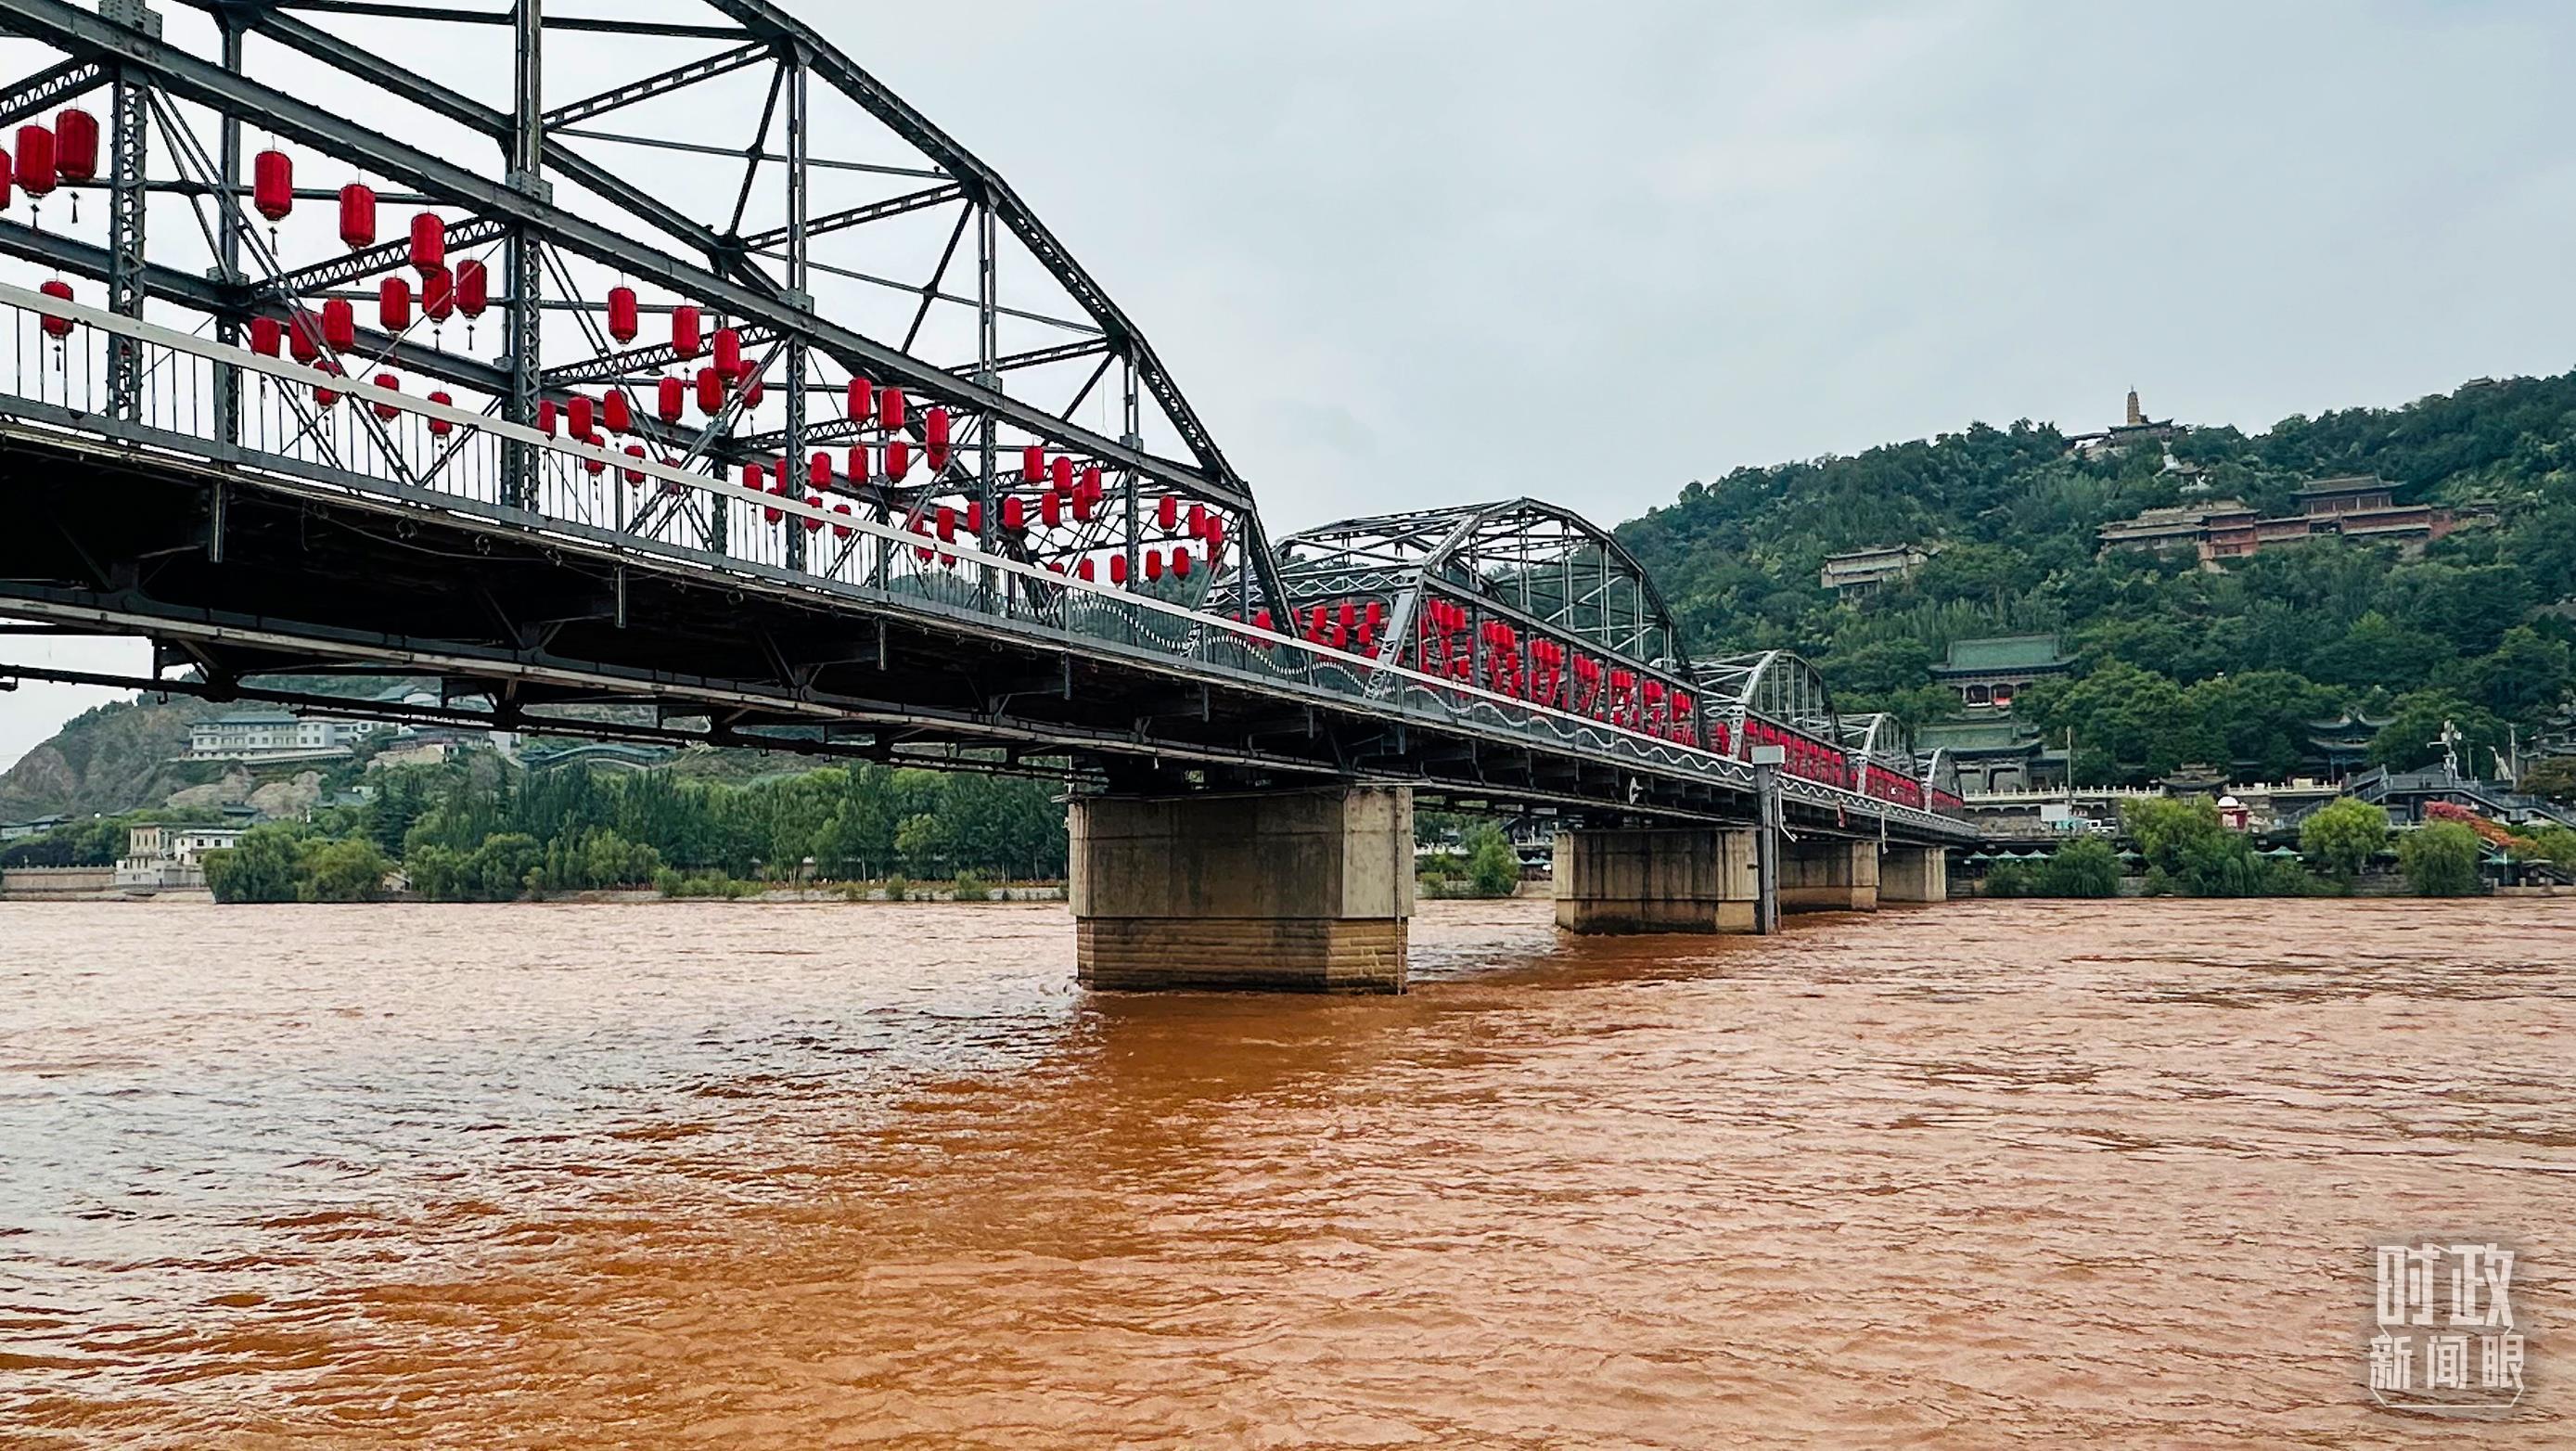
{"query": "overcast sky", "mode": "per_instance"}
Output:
(1409, 254)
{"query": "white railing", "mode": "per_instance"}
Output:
(385, 442)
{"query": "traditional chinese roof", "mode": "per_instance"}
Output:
(2003, 653)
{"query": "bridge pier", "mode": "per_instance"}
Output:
(1829, 874)
(1625, 880)
(1282, 891)
(1914, 874)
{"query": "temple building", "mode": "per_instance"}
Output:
(2355, 506)
(2134, 427)
(1866, 571)
(1989, 672)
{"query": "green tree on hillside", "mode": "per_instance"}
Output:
(2343, 835)
(2440, 860)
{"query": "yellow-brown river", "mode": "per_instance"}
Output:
(739, 1175)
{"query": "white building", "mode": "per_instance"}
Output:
(273, 736)
(164, 857)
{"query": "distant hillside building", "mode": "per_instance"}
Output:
(273, 736)
(1994, 754)
(2135, 427)
(2352, 507)
(161, 858)
(1866, 571)
(1988, 673)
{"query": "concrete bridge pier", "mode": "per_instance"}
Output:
(1621, 880)
(1281, 891)
(1914, 874)
(1829, 874)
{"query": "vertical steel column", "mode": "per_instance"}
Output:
(1766, 838)
(1134, 438)
(125, 211)
(987, 348)
(519, 462)
(797, 285)
(228, 219)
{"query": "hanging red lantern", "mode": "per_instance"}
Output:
(1060, 475)
(393, 304)
(1198, 521)
(711, 391)
(1051, 510)
(1153, 565)
(947, 526)
(1014, 514)
(267, 336)
(685, 338)
(387, 410)
(858, 463)
(56, 324)
(813, 521)
(934, 438)
(340, 324)
(1181, 561)
(36, 160)
(76, 144)
(438, 295)
(841, 531)
(818, 471)
(1118, 569)
(546, 417)
(1082, 504)
(623, 320)
(975, 517)
(670, 397)
(1216, 537)
(440, 426)
(326, 396)
(581, 411)
(728, 359)
(272, 184)
(1167, 513)
(428, 243)
(473, 288)
(898, 459)
(1033, 462)
(755, 478)
(617, 412)
(1085, 570)
(357, 216)
(636, 451)
(890, 408)
(863, 400)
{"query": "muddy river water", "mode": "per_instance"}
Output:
(704, 1174)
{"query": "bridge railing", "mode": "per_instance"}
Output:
(406, 448)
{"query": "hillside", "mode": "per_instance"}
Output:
(2177, 662)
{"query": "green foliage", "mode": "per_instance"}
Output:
(2412, 738)
(2190, 852)
(970, 888)
(351, 869)
(1493, 868)
(266, 865)
(2343, 835)
(2440, 860)
(2554, 778)
(898, 887)
(2085, 868)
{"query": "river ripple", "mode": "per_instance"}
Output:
(1992, 1174)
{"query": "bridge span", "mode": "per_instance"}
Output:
(820, 442)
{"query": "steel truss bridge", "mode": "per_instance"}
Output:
(630, 425)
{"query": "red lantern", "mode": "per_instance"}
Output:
(267, 336)
(617, 412)
(1051, 509)
(752, 395)
(947, 524)
(581, 409)
(670, 396)
(890, 407)
(934, 438)
(1082, 503)
(1085, 570)
(428, 243)
(76, 144)
(387, 381)
(728, 359)
(818, 471)
(898, 457)
(862, 400)
(685, 338)
(622, 318)
(393, 304)
(975, 517)
(438, 294)
(1014, 514)
(813, 521)
(755, 478)
(322, 395)
(858, 463)
(57, 325)
(1167, 513)
(1033, 462)
(1118, 569)
(339, 324)
(473, 288)
(272, 184)
(1060, 475)
(440, 426)
(711, 391)
(357, 216)
(546, 417)
(1153, 564)
(635, 450)
(1181, 561)
(36, 160)
(841, 531)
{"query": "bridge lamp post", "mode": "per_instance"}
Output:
(1767, 761)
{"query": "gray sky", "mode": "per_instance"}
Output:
(1408, 254)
